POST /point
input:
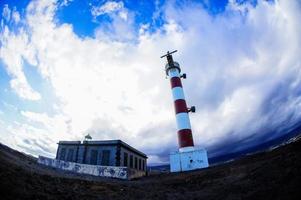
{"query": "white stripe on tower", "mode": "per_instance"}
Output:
(183, 121)
(177, 93)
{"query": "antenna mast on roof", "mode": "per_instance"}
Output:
(88, 137)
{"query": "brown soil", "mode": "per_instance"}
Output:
(268, 175)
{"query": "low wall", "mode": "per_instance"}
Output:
(95, 170)
(133, 173)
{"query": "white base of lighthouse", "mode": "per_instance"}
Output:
(189, 159)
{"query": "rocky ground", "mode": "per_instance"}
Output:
(268, 175)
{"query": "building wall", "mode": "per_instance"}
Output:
(135, 157)
(67, 153)
(81, 156)
(94, 155)
(101, 151)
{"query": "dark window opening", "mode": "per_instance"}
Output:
(143, 165)
(131, 161)
(105, 158)
(125, 159)
(93, 158)
(70, 155)
(118, 156)
(136, 163)
(139, 164)
(63, 154)
(99, 159)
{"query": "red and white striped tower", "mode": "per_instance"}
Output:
(173, 70)
(188, 158)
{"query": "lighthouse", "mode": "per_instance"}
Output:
(188, 157)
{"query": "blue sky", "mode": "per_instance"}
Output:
(68, 68)
(78, 13)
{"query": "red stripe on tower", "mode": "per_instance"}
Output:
(180, 106)
(185, 138)
(175, 82)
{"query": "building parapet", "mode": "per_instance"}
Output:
(69, 142)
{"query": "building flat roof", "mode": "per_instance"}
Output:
(103, 142)
(69, 142)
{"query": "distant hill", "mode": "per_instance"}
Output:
(291, 136)
(265, 146)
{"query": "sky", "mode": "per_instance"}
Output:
(69, 68)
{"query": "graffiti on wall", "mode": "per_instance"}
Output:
(95, 170)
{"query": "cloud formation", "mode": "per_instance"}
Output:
(107, 8)
(15, 52)
(243, 68)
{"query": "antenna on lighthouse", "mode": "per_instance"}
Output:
(170, 63)
(169, 57)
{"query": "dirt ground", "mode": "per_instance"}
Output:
(268, 175)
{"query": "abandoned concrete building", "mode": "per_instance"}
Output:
(104, 153)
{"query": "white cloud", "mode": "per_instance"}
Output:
(6, 12)
(10, 15)
(115, 89)
(122, 25)
(107, 8)
(55, 125)
(66, 2)
(15, 49)
(16, 16)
